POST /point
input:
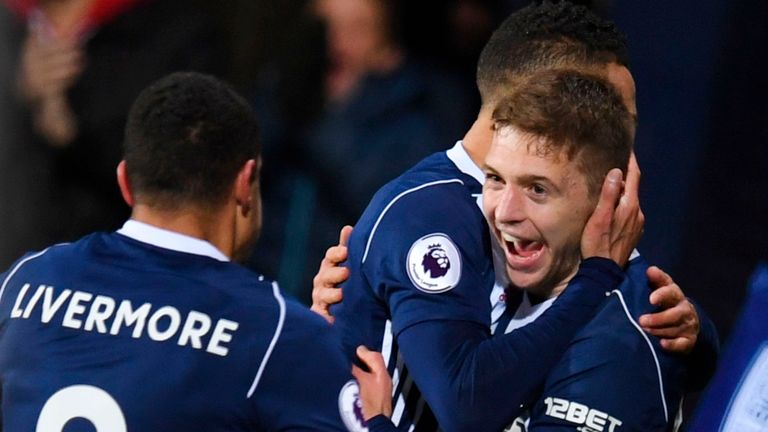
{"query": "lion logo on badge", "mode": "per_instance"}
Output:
(434, 263)
(351, 408)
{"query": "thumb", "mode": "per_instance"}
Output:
(374, 360)
(344, 235)
(609, 195)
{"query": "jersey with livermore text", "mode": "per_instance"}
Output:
(614, 377)
(421, 275)
(149, 330)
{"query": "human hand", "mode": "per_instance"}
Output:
(55, 121)
(677, 324)
(375, 386)
(48, 68)
(616, 225)
(325, 290)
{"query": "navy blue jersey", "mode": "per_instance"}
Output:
(614, 376)
(116, 334)
(421, 277)
(737, 397)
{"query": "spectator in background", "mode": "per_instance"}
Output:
(23, 168)
(378, 112)
(79, 65)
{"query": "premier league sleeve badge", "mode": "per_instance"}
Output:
(434, 264)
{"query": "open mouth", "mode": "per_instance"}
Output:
(521, 251)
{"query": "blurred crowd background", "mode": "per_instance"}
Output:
(350, 93)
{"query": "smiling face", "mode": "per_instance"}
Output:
(536, 202)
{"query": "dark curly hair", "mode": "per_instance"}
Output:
(545, 35)
(187, 136)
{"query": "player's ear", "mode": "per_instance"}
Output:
(244, 183)
(125, 184)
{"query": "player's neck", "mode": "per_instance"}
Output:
(204, 224)
(549, 288)
(477, 140)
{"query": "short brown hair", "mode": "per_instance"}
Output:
(577, 114)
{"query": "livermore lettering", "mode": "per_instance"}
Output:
(84, 311)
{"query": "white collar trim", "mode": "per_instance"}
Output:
(459, 156)
(166, 239)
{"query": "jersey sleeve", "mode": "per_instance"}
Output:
(307, 383)
(611, 378)
(465, 374)
(426, 258)
(702, 361)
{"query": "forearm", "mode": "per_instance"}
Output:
(464, 373)
(381, 423)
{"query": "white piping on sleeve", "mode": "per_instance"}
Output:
(653, 352)
(402, 194)
(18, 266)
(275, 337)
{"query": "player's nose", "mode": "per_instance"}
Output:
(510, 209)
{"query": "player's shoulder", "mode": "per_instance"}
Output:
(632, 297)
(435, 176)
(432, 191)
(298, 328)
(64, 255)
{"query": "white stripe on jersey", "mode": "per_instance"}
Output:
(397, 413)
(394, 200)
(386, 345)
(275, 337)
(653, 352)
(18, 266)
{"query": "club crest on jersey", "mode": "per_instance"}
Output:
(351, 408)
(434, 263)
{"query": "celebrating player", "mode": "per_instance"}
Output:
(556, 137)
(433, 323)
(152, 328)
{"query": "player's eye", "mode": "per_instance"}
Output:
(538, 189)
(492, 178)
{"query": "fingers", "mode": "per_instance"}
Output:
(375, 386)
(667, 318)
(658, 278)
(335, 255)
(358, 373)
(628, 218)
(324, 285)
(344, 235)
(374, 360)
(676, 327)
(632, 183)
(327, 296)
(49, 67)
(608, 197)
(323, 297)
(668, 296)
(678, 345)
(596, 238)
(323, 312)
